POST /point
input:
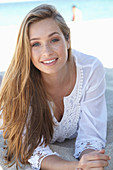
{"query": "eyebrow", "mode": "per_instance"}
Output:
(48, 36)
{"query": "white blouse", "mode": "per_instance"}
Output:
(85, 113)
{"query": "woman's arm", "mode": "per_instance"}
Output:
(93, 117)
(54, 162)
(90, 160)
(93, 122)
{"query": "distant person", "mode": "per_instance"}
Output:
(51, 93)
(77, 14)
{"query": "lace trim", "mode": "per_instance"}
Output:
(68, 125)
(39, 154)
(81, 146)
(37, 159)
(69, 122)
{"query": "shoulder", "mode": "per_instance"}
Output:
(85, 60)
(91, 66)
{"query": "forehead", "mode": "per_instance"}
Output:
(43, 27)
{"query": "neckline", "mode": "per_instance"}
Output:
(65, 98)
(79, 79)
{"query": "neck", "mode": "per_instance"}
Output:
(61, 83)
(56, 80)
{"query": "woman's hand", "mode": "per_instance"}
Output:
(95, 160)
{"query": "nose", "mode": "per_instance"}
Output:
(47, 50)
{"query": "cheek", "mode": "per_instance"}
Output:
(34, 54)
(61, 48)
(35, 62)
(34, 58)
(64, 50)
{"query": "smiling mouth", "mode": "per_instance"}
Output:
(49, 61)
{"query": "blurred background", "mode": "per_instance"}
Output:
(90, 21)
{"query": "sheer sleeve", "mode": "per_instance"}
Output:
(93, 116)
(39, 154)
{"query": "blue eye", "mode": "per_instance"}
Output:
(55, 40)
(36, 45)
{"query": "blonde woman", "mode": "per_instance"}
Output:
(51, 93)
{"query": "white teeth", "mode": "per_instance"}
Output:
(50, 61)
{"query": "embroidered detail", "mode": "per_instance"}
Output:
(67, 127)
(37, 158)
(81, 146)
(70, 120)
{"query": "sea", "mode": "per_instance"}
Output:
(93, 36)
(12, 13)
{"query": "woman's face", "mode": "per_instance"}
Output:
(48, 45)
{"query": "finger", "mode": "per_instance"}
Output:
(95, 156)
(103, 151)
(97, 164)
(99, 151)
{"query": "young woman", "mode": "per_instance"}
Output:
(51, 93)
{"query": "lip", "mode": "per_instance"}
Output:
(51, 61)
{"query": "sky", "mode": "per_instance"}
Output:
(8, 1)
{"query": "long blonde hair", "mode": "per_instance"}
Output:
(23, 101)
